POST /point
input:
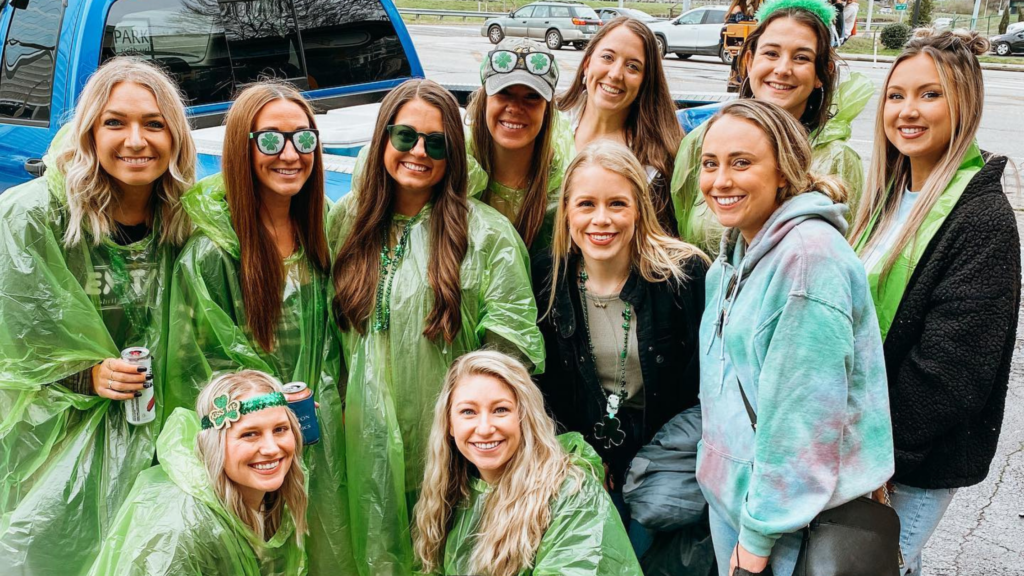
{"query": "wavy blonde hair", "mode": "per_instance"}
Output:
(655, 254)
(211, 444)
(518, 508)
(955, 54)
(91, 192)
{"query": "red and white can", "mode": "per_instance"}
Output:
(141, 409)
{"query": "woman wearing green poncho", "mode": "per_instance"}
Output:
(502, 495)
(787, 60)
(422, 275)
(251, 288)
(228, 496)
(85, 258)
(522, 142)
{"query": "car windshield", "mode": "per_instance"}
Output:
(585, 12)
(642, 16)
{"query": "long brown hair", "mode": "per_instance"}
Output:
(356, 269)
(652, 129)
(819, 105)
(531, 213)
(262, 271)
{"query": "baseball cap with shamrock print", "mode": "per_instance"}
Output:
(520, 61)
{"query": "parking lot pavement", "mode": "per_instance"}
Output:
(983, 531)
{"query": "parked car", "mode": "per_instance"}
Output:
(340, 52)
(554, 23)
(698, 31)
(1009, 43)
(1015, 27)
(608, 14)
(940, 24)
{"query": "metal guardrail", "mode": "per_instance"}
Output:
(441, 14)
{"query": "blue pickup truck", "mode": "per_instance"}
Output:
(344, 54)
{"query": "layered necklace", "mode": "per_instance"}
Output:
(609, 428)
(388, 269)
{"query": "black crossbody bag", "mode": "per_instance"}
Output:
(859, 538)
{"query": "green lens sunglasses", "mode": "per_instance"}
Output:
(404, 138)
(272, 142)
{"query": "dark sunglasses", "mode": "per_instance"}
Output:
(272, 142)
(404, 138)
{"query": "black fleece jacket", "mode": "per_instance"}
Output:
(948, 351)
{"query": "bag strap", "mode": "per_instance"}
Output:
(746, 404)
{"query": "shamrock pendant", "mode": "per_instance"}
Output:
(610, 431)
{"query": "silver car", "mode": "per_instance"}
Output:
(698, 31)
(554, 23)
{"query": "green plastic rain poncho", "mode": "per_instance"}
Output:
(585, 537)
(832, 155)
(395, 375)
(209, 336)
(173, 524)
(68, 458)
(508, 200)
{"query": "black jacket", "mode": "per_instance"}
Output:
(948, 351)
(667, 320)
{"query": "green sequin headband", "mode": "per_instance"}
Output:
(819, 8)
(225, 411)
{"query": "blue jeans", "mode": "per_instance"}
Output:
(783, 557)
(920, 511)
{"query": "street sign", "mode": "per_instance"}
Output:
(901, 5)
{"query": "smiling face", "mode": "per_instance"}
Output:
(916, 115)
(782, 71)
(286, 173)
(133, 143)
(259, 450)
(414, 171)
(515, 116)
(615, 72)
(602, 214)
(484, 419)
(739, 176)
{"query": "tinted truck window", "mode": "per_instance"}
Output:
(26, 80)
(213, 47)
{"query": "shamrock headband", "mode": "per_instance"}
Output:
(225, 411)
(820, 8)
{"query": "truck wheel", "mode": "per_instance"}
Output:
(1003, 49)
(725, 55)
(495, 35)
(579, 45)
(553, 39)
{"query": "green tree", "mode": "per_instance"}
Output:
(1005, 20)
(924, 17)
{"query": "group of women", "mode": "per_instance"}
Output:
(866, 325)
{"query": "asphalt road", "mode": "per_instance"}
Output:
(983, 531)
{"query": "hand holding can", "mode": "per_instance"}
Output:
(142, 408)
(300, 400)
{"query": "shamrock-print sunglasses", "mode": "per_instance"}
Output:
(505, 61)
(271, 142)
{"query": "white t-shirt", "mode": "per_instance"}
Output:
(849, 19)
(889, 236)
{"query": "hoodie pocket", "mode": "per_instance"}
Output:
(724, 480)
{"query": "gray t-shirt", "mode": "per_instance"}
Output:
(606, 333)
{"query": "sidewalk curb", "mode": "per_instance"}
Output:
(890, 59)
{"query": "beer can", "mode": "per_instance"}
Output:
(142, 409)
(300, 400)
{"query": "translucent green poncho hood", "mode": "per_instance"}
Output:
(172, 523)
(67, 457)
(394, 376)
(585, 537)
(831, 155)
(210, 336)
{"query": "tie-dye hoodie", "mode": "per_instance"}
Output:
(800, 333)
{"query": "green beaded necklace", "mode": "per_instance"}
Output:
(609, 429)
(388, 269)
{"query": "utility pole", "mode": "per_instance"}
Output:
(917, 11)
(974, 17)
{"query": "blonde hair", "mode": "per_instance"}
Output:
(211, 444)
(518, 509)
(655, 254)
(792, 151)
(91, 192)
(955, 56)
